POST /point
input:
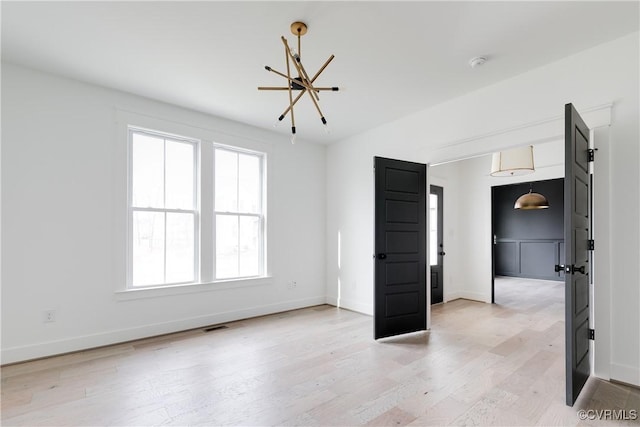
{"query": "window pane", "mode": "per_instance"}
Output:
(180, 248)
(249, 183)
(226, 246)
(226, 190)
(179, 175)
(249, 246)
(148, 171)
(148, 248)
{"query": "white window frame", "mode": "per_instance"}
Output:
(261, 215)
(131, 130)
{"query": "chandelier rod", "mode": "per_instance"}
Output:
(302, 73)
(292, 80)
(312, 80)
(312, 93)
(293, 120)
(286, 88)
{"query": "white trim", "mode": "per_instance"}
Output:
(51, 348)
(352, 305)
(190, 288)
(205, 140)
(532, 133)
(260, 215)
(194, 143)
(601, 287)
(625, 373)
(473, 296)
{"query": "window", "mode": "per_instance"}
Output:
(196, 210)
(163, 209)
(239, 221)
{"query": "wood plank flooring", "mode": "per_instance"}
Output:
(481, 364)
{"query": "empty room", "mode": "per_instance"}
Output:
(280, 213)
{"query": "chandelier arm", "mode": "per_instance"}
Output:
(298, 82)
(301, 72)
(322, 68)
(293, 120)
(286, 111)
(333, 89)
(306, 76)
(317, 108)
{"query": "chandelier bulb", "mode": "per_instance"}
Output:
(326, 127)
(277, 122)
(294, 53)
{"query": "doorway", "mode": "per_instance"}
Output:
(436, 246)
(527, 244)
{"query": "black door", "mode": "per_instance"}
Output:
(436, 248)
(577, 212)
(400, 302)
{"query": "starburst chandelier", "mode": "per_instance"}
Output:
(302, 83)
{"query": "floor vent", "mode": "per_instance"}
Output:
(214, 328)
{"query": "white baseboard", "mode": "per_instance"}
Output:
(350, 305)
(474, 296)
(368, 308)
(625, 373)
(51, 348)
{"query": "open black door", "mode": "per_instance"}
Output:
(400, 301)
(577, 212)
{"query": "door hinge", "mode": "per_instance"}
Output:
(592, 154)
(592, 334)
(592, 245)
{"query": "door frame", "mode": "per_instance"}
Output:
(440, 182)
(598, 118)
(440, 220)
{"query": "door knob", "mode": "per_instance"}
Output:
(442, 253)
(382, 256)
(558, 268)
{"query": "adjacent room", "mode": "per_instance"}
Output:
(189, 209)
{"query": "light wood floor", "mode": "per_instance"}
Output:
(481, 364)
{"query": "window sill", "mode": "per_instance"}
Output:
(190, 288)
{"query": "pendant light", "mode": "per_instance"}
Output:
(514, 162)
(531, 200)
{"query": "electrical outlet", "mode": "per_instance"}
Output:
(49, 316)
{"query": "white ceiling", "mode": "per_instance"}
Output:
(392, 58)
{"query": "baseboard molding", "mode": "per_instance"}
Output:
(473, 296)
(52, 348)
(626, 374)
(350, 305)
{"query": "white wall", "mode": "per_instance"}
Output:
(63, 240)
(463, 127)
